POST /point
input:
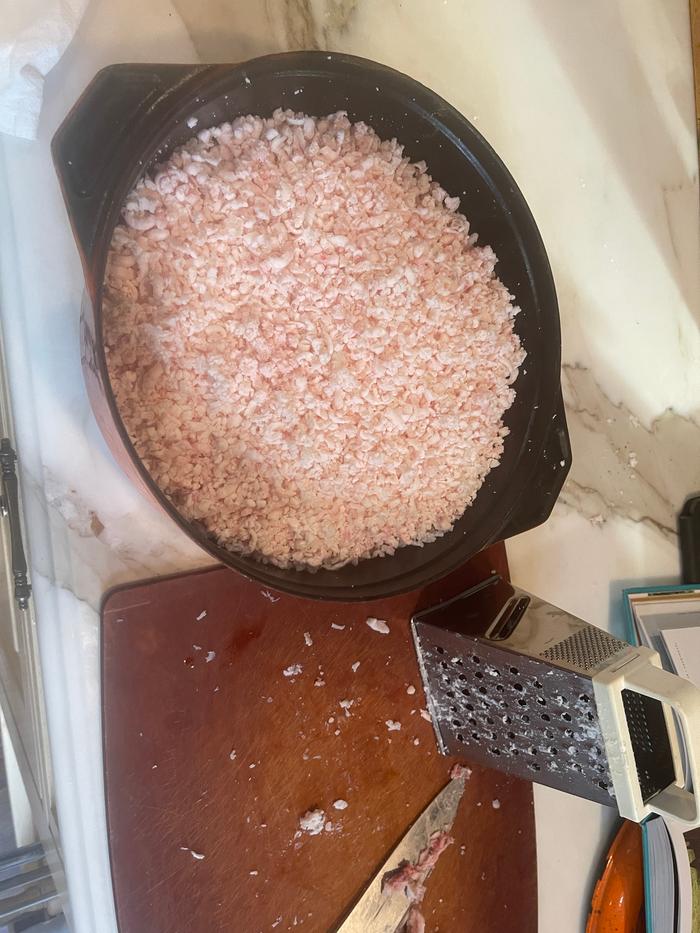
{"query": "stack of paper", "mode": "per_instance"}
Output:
(668, 620)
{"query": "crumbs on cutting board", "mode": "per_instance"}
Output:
(210, 656)
(312, 822)
(378, 625)
(410, 690)
(392, 725)
(339, 628)
(268, 595)
(355, 666)
(308, 640)
(340, 804)
(293, 670)
(195, 855)
(202, 615)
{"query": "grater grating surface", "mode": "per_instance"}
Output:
(514, 712)
(586, 649)
(652, 750)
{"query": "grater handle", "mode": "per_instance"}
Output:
(643, 674)
(684, 697)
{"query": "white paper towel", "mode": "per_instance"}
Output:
(33, 36)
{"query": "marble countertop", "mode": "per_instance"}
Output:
(591, 107)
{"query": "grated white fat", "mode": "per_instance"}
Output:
(308, 350)
(312, 822)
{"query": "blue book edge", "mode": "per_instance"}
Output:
(631, 635)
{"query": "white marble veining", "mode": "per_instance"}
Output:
(590, 105)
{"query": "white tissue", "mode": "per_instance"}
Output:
(33, 36)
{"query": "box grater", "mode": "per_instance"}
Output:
(517, 684)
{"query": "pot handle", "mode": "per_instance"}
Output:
(545, 485)
(96, 139)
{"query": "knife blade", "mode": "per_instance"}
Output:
(376, 912)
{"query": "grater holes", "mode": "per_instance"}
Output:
(585, 649)
(492, 717)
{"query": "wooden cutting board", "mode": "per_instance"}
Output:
(212, 754)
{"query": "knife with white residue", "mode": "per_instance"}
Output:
(382, 908)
